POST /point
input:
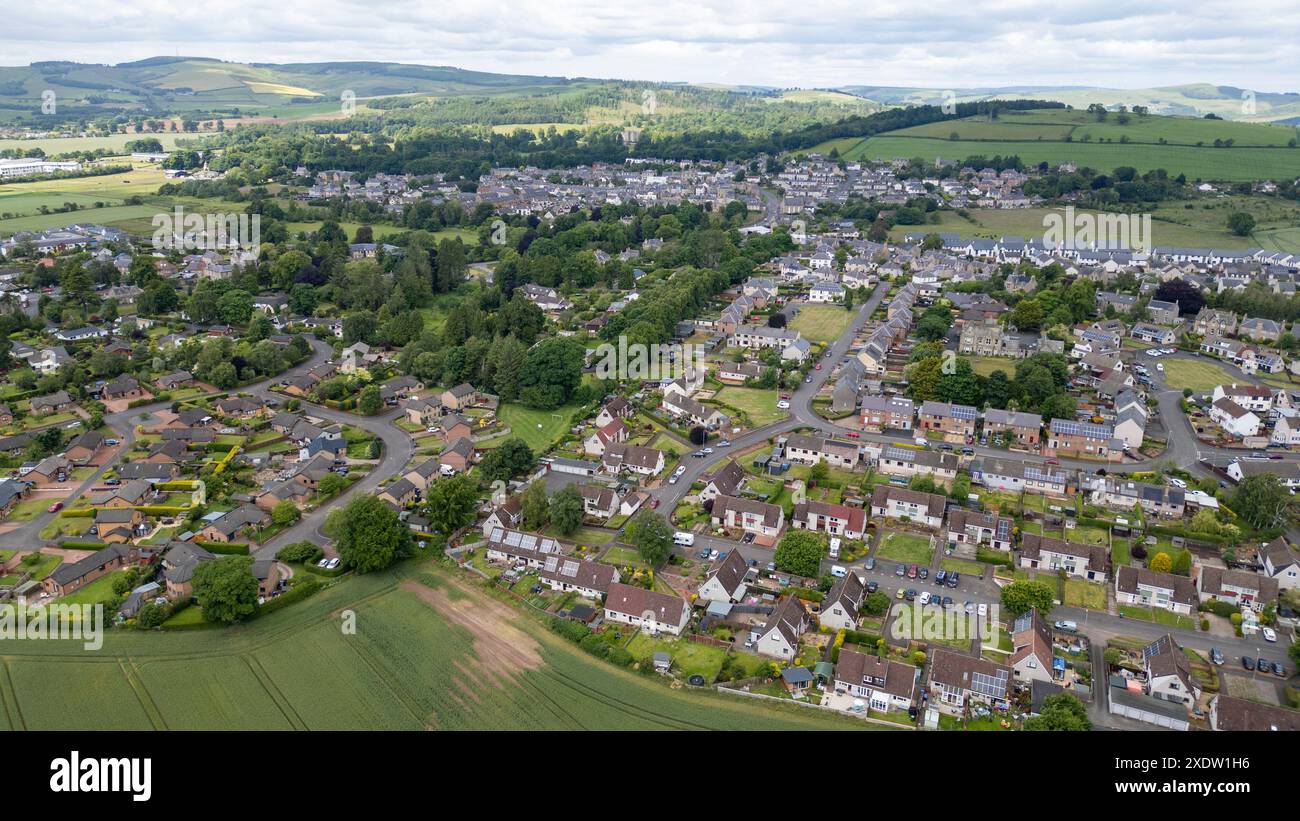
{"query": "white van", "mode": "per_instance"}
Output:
(835, 547)
(921, 441)
(838, 572)
(681, 537)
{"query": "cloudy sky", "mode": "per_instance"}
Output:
(806, 43)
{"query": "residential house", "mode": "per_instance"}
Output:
(1169, 672)
(1140, 586)
(979, 528)
(1019, 430)
(567, 574)
(839, 609)
(779, 636)
(1242, 588)
(726, 581)
(881, 413)
(958, 680)
(1281, 563)
(653, 612)
(1083, 561)
(834, 519)
(955, 422)
(749, 515)
(886, 685)
(903, 503)
(634, 458)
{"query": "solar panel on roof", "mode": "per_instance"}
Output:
(570, 568)
(551, 561)
(993, 686)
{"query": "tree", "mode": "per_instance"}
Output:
(449, 504)
(876, 604)
(566, 510)
(552, 371)
(653, 538)
(1241, 223)
(1060, 712)
(511, 458)
(800, 552)
(286, 513)
(370, 402)
(1161, 563)
(226, 588)
(331, 484)
(818, 474)
(1020, 597)
(370, 536)
(536, 506)
(1263, 501)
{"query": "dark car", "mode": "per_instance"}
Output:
(1279, 670)
(900, 571)
(872, 587)
(947, 602)
(940, 576)
(1216, 656)
(923, 573)
(870, 563)
(909, 594)
(953, 578)
(1248, 662)
(748, 539)
(703, 554)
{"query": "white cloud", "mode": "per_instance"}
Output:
(942, 44)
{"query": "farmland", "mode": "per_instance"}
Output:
(422, 656)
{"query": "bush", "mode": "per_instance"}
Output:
(300, 552)
(298, 592)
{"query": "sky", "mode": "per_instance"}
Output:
(783, 43)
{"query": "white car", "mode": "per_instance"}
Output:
(783, 405)
(713, 555)
(924, 598)
(1160, 366)
(1269, 635)
(708, 450)
(1176, 482)
(982, 609)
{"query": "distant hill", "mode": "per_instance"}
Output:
(1188, 100)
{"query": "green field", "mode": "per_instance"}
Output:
(908, 548)
(539, 428)
(442, 657)
(822, 323)
(1199, 376)
(758, 403)
(1239, 163)
(985, 365)
(54, 146)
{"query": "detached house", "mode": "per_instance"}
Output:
(1138, 585)
(650, 610)
(726, 582)
(727, 480)
(958, 680)
(749, 515)
(885, 684)
(1169, 672)
(1083, 561)
(1281, 563)
(839, 610)
(779, 637)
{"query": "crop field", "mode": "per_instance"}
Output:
(54, 146)
(822, 323)
(1239, 163)
(431, 654)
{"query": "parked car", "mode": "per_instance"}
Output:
(1216, 656)
(333, 563)
(707, 450)
(748, 538)
(953, 578)
(900, 570)
(898, 594)
(947, 602)
(1248, 662)
(713, 555)
(911, 572)
(969, 607)
(940, 576)
(1268, 633)
(654, 503)
(870, 563)
(55, 508)
(924, 598)
(923, 573)
(1067, 626)
(872, 587)
(1279, 670)
(819, 366)
(703, 554)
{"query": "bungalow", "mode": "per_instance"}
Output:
(1016, 476)
(173, 452)
(127, 494)
(172, 381)
(1149, 588)
(1146, 332)
(839, 610)
(885, 684)
(51, 403)
(1242, 588)
(737, 373)
(834, 519)
(84, 448)
(650, 610)
(1289, 472)
(240, 407)
(123, 387)
(747, 514)
(810, 450)
(70, 577)
(958, 680)
(117, 525)
(11, 491)
(289, 491)
(694, 411)
(779, 636)
(147, 472)
(227, 526)
(903, 503)
(900, 461)
(881, 413)
(726, 582)
(588, 579)
(635, 458)
(1083, 561)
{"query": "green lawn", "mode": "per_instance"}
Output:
(99, 590)
(969, 568)
(822, 323)
(1201, 375)
(757, 403)
(1079, 593)
(985, 365)
(688, 657)
(907, 548)
(1159, 615)
(540, 429)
